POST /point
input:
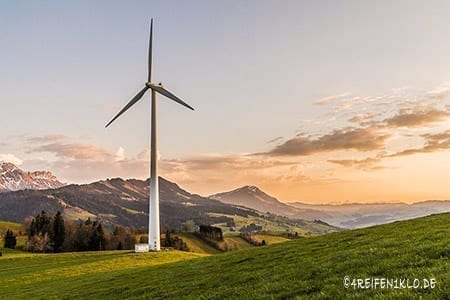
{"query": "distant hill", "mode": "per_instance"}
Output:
(125, 202)
(12, 178)
(355, 215)
(342, 215)
(307, 268)
(253, 197)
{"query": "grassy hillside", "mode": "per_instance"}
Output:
(38, 275)
(229, 243)
(196, 244)
(270, 239)
(5, 225)
(304, 268)
(233, 243)
(275, 224)
(15, 227)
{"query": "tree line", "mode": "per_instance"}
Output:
(251, 239)
(211, 233)
(251, 228)
(52, 234)
(173, 242)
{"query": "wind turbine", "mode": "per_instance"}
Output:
(153, 230)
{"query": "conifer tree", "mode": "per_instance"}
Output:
(10, 240)
(59, 232)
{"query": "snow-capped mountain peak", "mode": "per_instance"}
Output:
(13, 178)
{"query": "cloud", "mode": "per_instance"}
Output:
(212, 173)
(274, 140)
(361, 117)
(86, 171)
(348, 103)
(48, 138)
(433, 143)
(345, 103)
(329, 99)
(8, 157)
(233, 162)
(367, 164)
(439, 92)
(120, 154)
(416, 118)
(84, 162)
(378, 123)
(78, 151)
(350, 138)
(295, 174)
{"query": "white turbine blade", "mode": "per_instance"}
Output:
(169, 95)
(150, 52)
(130, 104)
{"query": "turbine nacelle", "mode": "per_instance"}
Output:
(151, 85)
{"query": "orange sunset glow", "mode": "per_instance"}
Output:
(333, 109)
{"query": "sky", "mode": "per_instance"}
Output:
(312, 101)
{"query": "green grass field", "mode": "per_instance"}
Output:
(305, 268)
(233, 243)
(270, 239)
(5, 225)
(35, 276)
(196, 245)
(15, 227)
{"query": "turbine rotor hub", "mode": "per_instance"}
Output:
(149, 84)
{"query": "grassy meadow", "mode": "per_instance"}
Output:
(305, 228)
(5, 225)
(306, 268)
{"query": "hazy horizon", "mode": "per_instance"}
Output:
(348, 202)
(315, 102)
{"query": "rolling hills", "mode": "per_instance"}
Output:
(357, 215)
(305, 268)
(114, 201)
(348, 215)
(125, 202)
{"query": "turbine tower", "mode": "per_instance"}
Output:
(153, 230)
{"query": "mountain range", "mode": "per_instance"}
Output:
(13, 178)
(125, 202)
(353, 215)
(115, 201)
